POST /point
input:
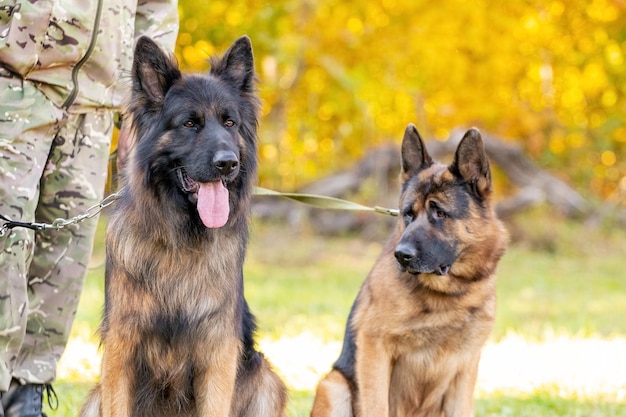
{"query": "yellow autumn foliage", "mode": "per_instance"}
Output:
(338, 78)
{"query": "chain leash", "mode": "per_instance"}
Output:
(59, 223)
(323, 202)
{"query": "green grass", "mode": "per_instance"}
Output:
(297, 283)
(546, 404)
(541, 404)
(543, 293)
(563, 278)
(71, 395)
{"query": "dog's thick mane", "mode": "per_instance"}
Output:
(145, 112)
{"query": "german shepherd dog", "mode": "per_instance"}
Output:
(415, 332)
(177, 332)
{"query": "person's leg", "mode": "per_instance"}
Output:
(73, 181)
(23, 400)
(28, 122)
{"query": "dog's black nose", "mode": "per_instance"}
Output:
(226, 162)
(405, 254)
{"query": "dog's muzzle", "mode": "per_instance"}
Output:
(409, 261)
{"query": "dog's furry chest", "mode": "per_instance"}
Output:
(170, 290)
(430, 350)
(453, 322)
(411, 321)
(421, 380)
(171, 306)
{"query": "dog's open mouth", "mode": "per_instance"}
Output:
(212, 199)
(440, 270)
(186, 182)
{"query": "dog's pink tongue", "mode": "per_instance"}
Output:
(213, 204)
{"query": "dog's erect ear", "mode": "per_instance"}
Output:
(236, 65)
(472, 164)
(415, 157)
(154, 72)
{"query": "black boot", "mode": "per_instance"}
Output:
(24, 400)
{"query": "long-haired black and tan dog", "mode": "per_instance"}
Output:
(177, 332)
(415, 332)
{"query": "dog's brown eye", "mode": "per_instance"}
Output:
(229, 123)
(440, 214)
(189, 123)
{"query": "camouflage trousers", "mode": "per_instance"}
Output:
(52, 165)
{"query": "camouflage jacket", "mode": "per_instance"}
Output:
(79, 52)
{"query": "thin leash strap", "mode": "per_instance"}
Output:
(314, 200)
(325, 202)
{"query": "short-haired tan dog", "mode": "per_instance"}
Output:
(414, 335)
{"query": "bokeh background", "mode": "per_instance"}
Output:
(340, 77)
(340, 80)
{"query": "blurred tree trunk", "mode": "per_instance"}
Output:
(375, 179)
(534, 185)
